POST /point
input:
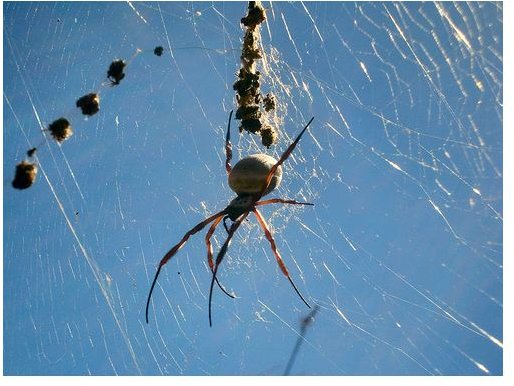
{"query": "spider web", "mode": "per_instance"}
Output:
(402, 251)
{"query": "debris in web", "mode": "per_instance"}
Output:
(158, 50)
(60, 129)
(411, 104)
(269, 135)
(269, 102)
(247, 86)
(89, 104)
(25, 175)
(115, 72)
(31, 152)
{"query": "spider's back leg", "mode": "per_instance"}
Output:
(233, 228)
(208, 244)
(280, 262)
(197, 228)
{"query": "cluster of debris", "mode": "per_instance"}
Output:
(250, 101)
(61, 129)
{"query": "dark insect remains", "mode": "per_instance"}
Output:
(89, 104)
(25, 175)
(115, 72)
(60, 129)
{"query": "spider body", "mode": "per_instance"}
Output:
(238, 206)
(251, 178)
(249, 175)
(247, 178)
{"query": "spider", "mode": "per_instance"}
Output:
(251, 178)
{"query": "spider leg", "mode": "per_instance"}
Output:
(228, 146)
(283, 157)
(280, 262)
(209, 251)
(225, 222)
(197, 228)
(282, 201)
(221, 254)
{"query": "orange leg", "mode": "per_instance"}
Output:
(209, 251)
(281, 201)
(280, 262)
(197, 228)
(223, 251)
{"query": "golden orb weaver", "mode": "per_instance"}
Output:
(251, 178)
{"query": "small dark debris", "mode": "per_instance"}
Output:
(60, 129)
(256, 15)
(269, 102)
(31, 152)
(115, 72)
(25, 175)
(89, 104)
(247, 83)
(250, 53)
(246, 112)
(252, 125)
(268, 136)
(251, 50)
(158, 50)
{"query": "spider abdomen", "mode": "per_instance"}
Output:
(249, 175)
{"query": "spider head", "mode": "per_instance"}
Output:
(249, 175)
(240, 205)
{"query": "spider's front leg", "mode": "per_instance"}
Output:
(281, 201)
(283, 157)
(228, 146)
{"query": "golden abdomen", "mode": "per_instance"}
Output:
(249, 175)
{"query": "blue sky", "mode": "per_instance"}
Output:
(402, 250)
